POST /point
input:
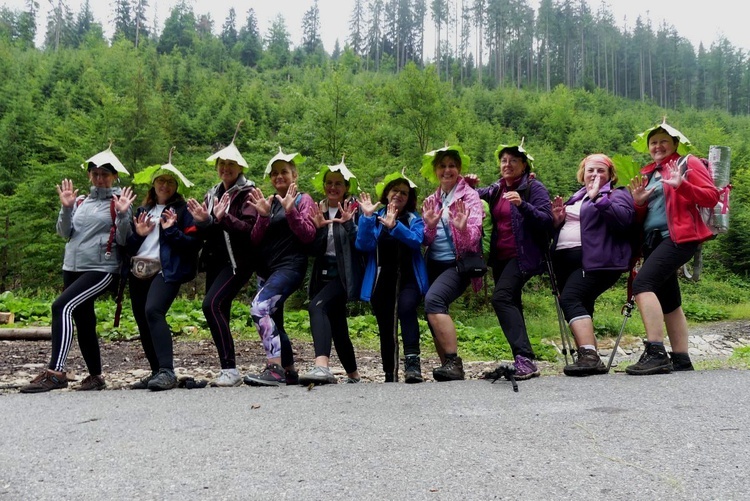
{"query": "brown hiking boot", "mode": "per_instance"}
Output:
(92, 383)
(451, 370)
(46, 381)
(588, 363)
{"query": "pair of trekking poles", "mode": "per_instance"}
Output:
(568, 344)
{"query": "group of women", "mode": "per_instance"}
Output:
(381, 250)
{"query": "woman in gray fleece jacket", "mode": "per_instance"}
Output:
(94, 225)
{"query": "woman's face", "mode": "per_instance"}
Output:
(511, 167)
(228, 171)
(335, 187)
(594, 171)
(660, 146)
(165, 188)
(282, 175)
(398, 196)
(102, 178)
(447, 172)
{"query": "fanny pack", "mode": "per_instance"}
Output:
(144, 268)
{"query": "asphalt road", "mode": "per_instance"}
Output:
(614, 437)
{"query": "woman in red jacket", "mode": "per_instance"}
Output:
(667, 195)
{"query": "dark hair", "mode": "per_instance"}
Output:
(453, 154)
(657, 130)
(411, 202)
(151, 198)
(514, 152)
(106, 166)
(346, 181)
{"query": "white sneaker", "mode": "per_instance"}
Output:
(318, 375)
(228, 378)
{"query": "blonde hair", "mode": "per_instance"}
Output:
(598, 159)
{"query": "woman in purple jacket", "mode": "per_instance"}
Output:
(521, 222)
(591, 251)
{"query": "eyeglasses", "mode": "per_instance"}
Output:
(167, 181)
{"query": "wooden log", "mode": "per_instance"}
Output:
(27, 334)
(6, 317)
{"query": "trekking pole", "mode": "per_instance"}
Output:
(627, 310)
(395, 319)
(567, 344)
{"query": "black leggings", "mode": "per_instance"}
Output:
(327, 311)
(383, 307)
(222, 286)
(151, 300)
(76, 305)
(506, 301)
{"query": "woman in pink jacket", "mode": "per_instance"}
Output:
(453, 225)
(667, 195)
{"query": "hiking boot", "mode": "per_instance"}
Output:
(654, 360)
(525, 368)
(165, 379)
(92, 383)
(228, 378)
(451, 370)
(588, 363)
(142, 384)
(272, 375)
(412, 370)
(318, 375)
(291, 376)
(352, 380)
(681, 362)
(46, 381)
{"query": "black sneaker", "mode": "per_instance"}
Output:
(46, 381)
(654, 360)
(451, 370)
(272, 375)
(588, 363)
(92, 383)
(681, 362)
(390, 377)
(142, 384)
(412, 370)
(165, 379)
(291, 376)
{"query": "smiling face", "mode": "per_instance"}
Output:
(335, 188)
(228, 171)
(512, 167)
(102, 178)
(447, 170)
(282, 175)
(661, 145)
(398, 195)
(165, 187)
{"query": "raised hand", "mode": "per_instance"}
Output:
(168, 218)
(287, 201)
(316, 216)
(430, 216)
(472, 180)
(593, 190)
(460, 215)
(347, 210)
(391, 217)
(198, 210)
(368, 208)
(66, 193)
(261, 204)
(637, 188)
(558, 212)
(221, 206)
(144, 224)
(125, 200)
(671, 174)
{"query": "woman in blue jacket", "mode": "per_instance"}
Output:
(165, 249)
(395, 275)
(591, 251)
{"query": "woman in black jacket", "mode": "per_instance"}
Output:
(165, 249)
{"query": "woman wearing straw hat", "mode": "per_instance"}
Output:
(283, 231)
(453, 226)
(94, 224)
(667, 198)
(164, 246)
(336, 276)
(591, 250)
(521, 225)
(225, 221)
(395, 275)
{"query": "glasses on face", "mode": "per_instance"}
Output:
(403, 193)
(335, 184)
(163, 181)
(101, 174)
